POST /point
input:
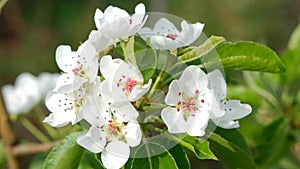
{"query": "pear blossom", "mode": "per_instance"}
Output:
(165, 35)
(191, 102)
(113, 130)
(46, 82)
(122, 80)
(78, 66)
(23, 96)
(67, 107)
(116, 23)
(232, 109)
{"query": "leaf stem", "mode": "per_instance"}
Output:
(34, 130)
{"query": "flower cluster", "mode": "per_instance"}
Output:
(112, 94)
(27, 92)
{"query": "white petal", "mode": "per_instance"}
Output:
(190, 32)
(66, 59)
(138, 91)
(192, 79)
(115, 154)
(140, 8)
(197, 123)
(15, 101)
(93, 141)
(88, 60)
(165, 27)
(91, 111)
(234, 110)
(226, 124)
(29, 86)
(174, 120)
(173, 97)
(218, 84)
(57, 102)
(106, 91)
(108, 66)
(98, 15)
(59, 119)
(99, 41)
(46, 82)
(67, 82)
(132, 133)
(125, 109)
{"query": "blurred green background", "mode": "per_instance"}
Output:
(30, 31)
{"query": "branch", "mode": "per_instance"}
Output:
(32, 148)
(7, 136)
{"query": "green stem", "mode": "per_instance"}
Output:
(157, 80)
(34, 130)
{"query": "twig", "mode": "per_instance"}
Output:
(7, 136)
(32, 148)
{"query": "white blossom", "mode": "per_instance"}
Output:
(116, 23)
(22, 97)
(232, 109)
(122, 80)
(78, 67)
(113, 130)
(165, 35)
(67, 107)
(191, 102)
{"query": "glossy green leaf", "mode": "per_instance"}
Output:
(203, 49)
(229, 153)
(180, 157)
(246, 56)
(198, 147)
(66, 154)
(149, 160)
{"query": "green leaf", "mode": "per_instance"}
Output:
(203, 49)
(149, 160)
(66, 154)
(38, 161)
(198, 147)
(273, 143)
(230, 154)
(234, 137)
(180, 157)
(90, 160)
(128, 49)
(246, 56)
(294, 42)
(146, 60)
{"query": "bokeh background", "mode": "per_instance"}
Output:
(30, 30)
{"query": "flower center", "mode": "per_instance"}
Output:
(114, 129)
(189, 104)
(172, 36)
(79, 71)
(128, 84)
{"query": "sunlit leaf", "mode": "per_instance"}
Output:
(246, 56)
(66, 154)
